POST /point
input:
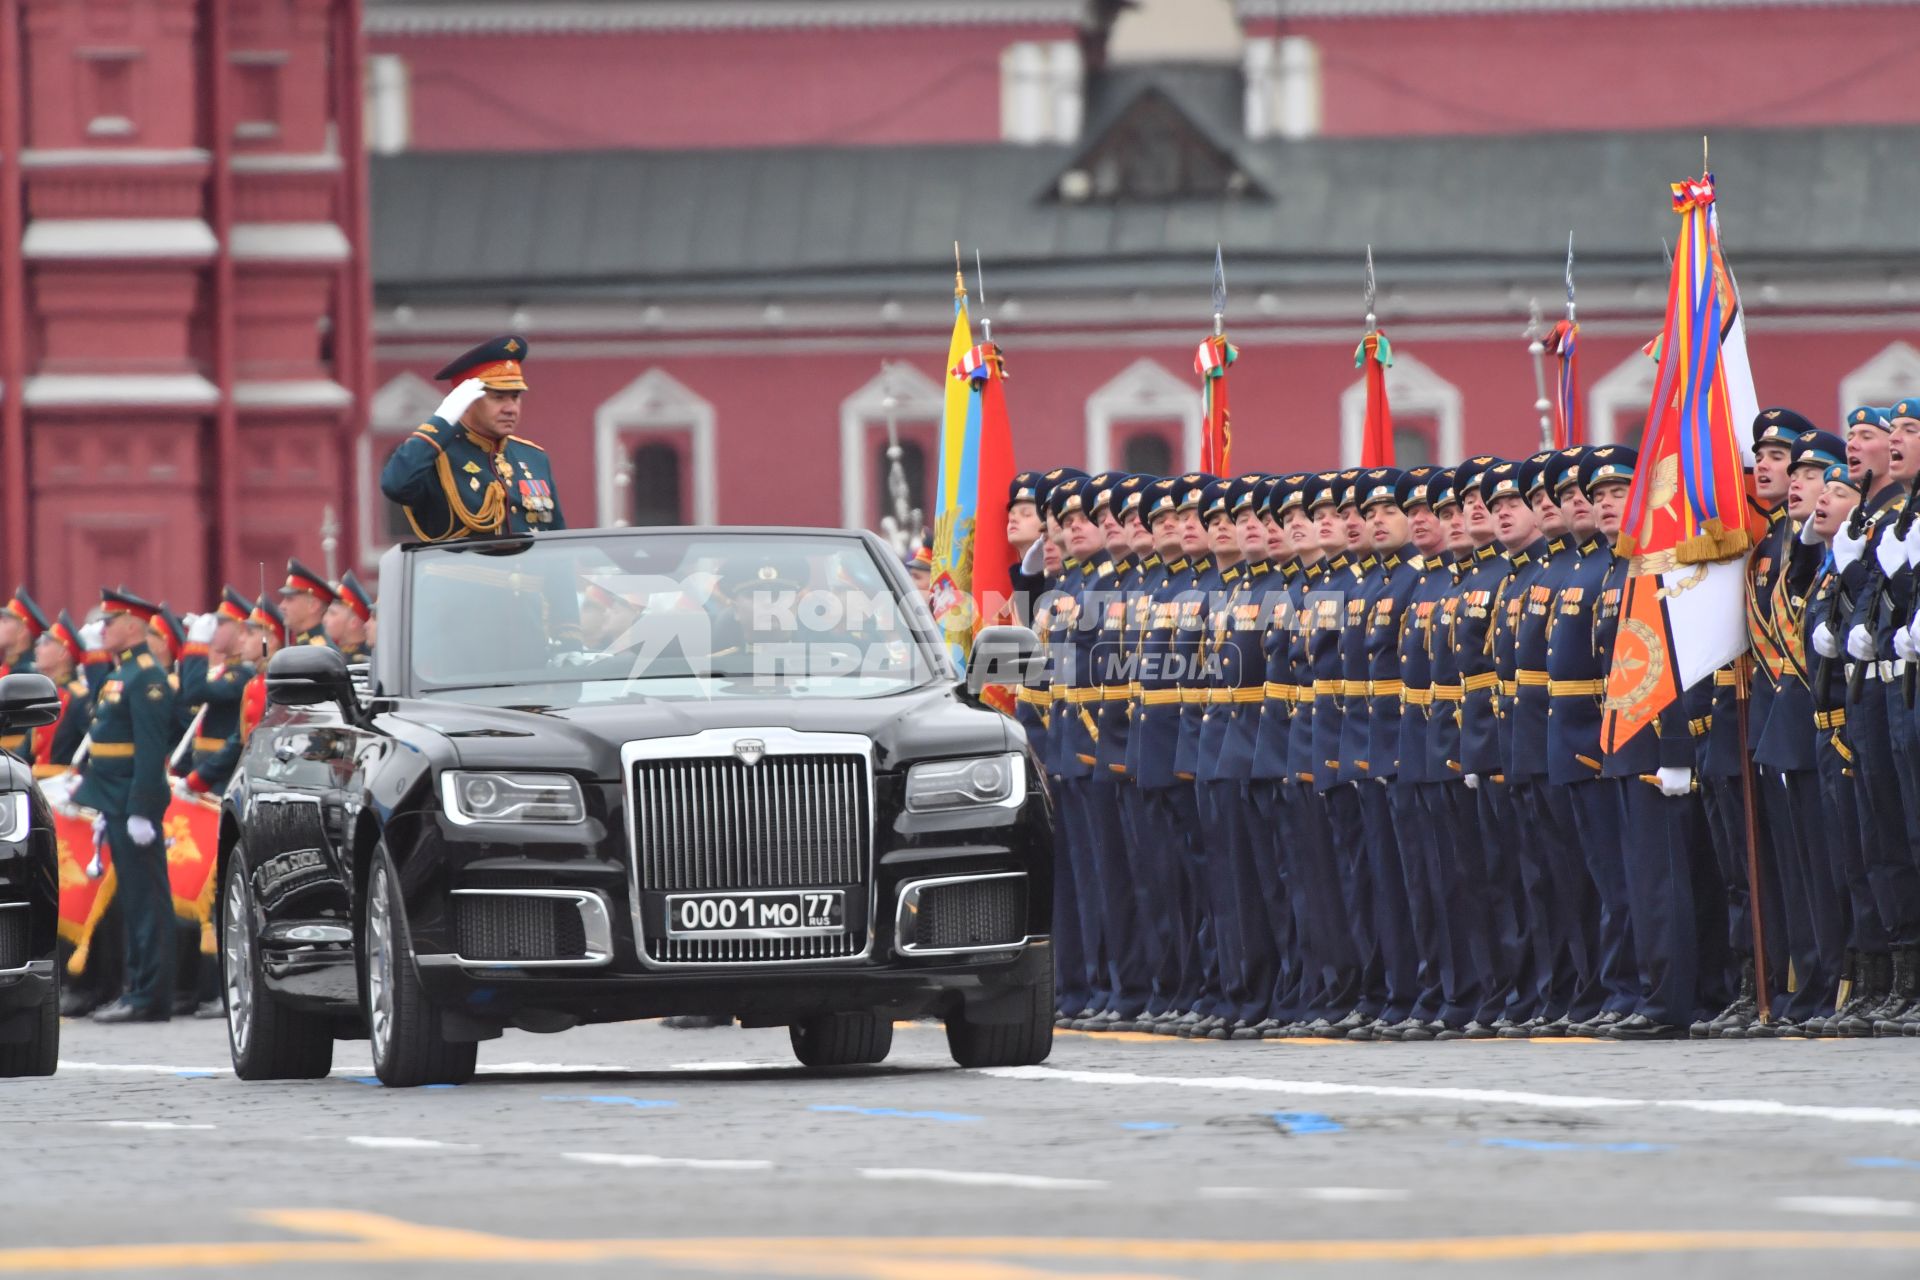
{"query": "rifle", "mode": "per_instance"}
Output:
(1899, 530)
(1857, 528)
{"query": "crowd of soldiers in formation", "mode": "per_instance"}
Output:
(1326, 753)
(213, 693)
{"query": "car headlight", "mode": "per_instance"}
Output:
(14, 816)
(511, 797)
(944, 785)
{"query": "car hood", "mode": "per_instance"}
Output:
(916, 725)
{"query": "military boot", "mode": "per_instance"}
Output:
(1732, 1022)
(1872, 975)
(1887, 1020)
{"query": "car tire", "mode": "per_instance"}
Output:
(1006, 1044)
(39, 1053)
(842, 1039)
(268, 1041)
(409, 1046)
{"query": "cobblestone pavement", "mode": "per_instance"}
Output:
(639, 1150)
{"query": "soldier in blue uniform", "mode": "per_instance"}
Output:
(464, 472)
(126, 784)
(1894, 553)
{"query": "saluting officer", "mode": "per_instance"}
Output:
(126, 784)
(463, 473)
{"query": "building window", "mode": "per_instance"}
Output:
(1412, 443)
(913, 463)
(1040, 95)
(1144, 399)
(1147, 453)
(109, 90)
(256, 94)
(389, 104)
(658, 484)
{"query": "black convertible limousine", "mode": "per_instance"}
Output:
(604, 775)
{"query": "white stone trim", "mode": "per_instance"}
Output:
(1145, 390)
(302, 393)
(916, 398)
(121, 390)
(95, 239)
(116, 157)
(287, 162)
(1284, 9)
(654, 402)
(1412, 388)
(1626, 388)
(289, 242)
(1890, 375)
(551, 16)
(404, 402)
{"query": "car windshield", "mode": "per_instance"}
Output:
(618, 617)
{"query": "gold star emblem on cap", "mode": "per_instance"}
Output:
(512, 346)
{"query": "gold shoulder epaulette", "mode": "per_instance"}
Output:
(144, 662)
(523, 440)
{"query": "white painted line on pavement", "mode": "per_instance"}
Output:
(149, 1124)
(626, 1160)
(383, 1142)
(1494, 1097)
(1024, 1181)
(1850, 1206)
(1353, 1195)
(146, 1068)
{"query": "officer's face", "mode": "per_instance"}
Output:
(302, 610)
(1546, 514)
(1115, 535)
(1578, 511)
(1052, 558)
(1514, 521)
(1193, 534)
(1356, 528)
(1329, 530)
(1803, 489)
(1304, 538)
(1166, 535)
(496, 415)
(1023, 525)
(1770, 463)
(1252, 534)
(1428, 534)
(1868, 449)
(1386, 527)
(1904, 452)
(122, 631)
(1480, 530)
(53, 659)
(1279, 545)
(1137, 536)
(1083, 537)
(1610, 503)
(1831, 509)
(1222, 539)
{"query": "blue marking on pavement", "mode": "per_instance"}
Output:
(1883, 1162)
(1614, 1148)
(1305, 1122)
(1147, 1126)
(195, 1075)
(609, 1100)
(943, 1117)
(364, 1079)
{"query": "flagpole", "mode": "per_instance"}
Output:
(1537, 348)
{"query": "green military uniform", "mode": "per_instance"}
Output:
(126, 783)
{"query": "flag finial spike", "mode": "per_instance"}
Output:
(1570, 277)
(1704, 166)
(1537, 350)
(980, 283)
(1219, 291)
(1372, 322)
(959, 281)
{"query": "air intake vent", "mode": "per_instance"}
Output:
(962, 915)
(506, 926)
(16, 929)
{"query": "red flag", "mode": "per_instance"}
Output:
(1372, 356)
(1216, 440)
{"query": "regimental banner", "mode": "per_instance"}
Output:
(191, 829)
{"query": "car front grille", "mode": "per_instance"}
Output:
(972, 913)
(789, 821)
(16, 940)
(507, 926)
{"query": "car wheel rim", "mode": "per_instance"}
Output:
(238, 945)
(379, 964)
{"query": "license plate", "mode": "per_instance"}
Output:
(797, 913)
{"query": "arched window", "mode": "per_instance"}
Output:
(913, 461)
(1413, 443)
(657, 485)
(1147, 453)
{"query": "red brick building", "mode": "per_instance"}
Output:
(726, 227)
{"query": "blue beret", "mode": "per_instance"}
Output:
(1816, 448)
(1779, 426)
(1840, 474)
(1869, 416)
(1607, 462)
(1905, 407)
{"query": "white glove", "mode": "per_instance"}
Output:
(93, 636)
(1675, 781)
(1808, 535)
(99, 829)
(1824, 642)
(1860, 643)
(140, 829)
(1891, 553)
(455, 406)
(1913, 542)
(1473, 781)
(1846, 547)
(201, 626)
(1903, 643)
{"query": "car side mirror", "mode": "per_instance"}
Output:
(306, 674)
(1000, 657)
(28, 700)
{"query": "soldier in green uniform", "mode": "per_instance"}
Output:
(216, 744)
(126, 784)
(463, 473)
(347, 618)
(21, 623)
(304, 600)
